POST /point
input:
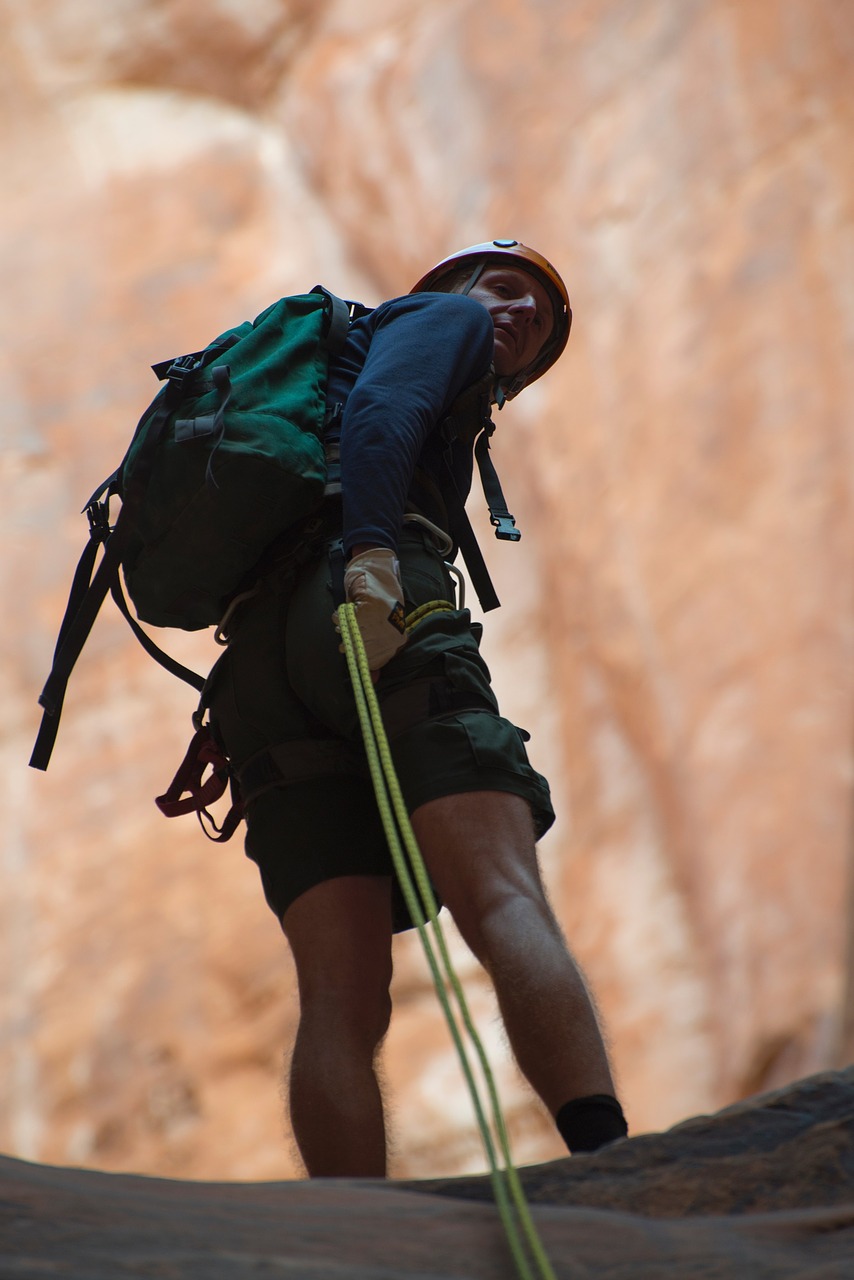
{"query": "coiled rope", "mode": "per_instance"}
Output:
(420, 900)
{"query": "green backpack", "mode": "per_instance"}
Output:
(228, 455)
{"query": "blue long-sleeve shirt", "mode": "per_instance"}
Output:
(401, 369)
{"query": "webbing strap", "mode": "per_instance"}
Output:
(89, 592)
(411, 872)
(470, 421)
(196, 360)
(172, 665)
(464, 536)
(339, 321)
(85, 599)
(297, 761)
(499, 516)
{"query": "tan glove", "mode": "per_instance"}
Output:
(372, 584)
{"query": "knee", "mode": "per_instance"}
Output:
(355, 1013)
(499, 915)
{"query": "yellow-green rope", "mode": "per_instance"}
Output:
(425, 610)
(411, 872)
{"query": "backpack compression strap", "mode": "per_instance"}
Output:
(88, 593)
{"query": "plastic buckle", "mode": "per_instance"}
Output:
(505, 527)
(182, 368)
(98, 515)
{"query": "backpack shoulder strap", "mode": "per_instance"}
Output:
(340, 315)
(338, 324)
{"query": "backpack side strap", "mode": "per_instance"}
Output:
(89, 591)
(85, 599)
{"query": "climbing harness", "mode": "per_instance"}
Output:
(420, 900)
(444, 545)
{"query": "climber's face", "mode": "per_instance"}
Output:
(521, 312)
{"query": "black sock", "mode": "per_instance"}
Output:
(585, 1124)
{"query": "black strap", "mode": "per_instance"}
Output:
(172, 665)
(340, 314)
(84, 601)
(88, 592)
(339, 324)
(464, 536)
(182, 367)
(499, 516)
(470, 421)
(287, 762)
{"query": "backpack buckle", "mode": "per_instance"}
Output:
(179, 368)
(505, 527)
(98, 515)
(182, 368)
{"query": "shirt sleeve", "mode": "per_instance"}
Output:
(426, 348)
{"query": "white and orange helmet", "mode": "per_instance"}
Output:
(502, 252)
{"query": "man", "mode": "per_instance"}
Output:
(282, 704)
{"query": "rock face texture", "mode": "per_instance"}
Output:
(762, 1190)
(678, 629)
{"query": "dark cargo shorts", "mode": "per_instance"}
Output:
(282, 703)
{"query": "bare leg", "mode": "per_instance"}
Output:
(479, 848)
(340, 936)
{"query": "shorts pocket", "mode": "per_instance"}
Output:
(497, 744)
(467, 672)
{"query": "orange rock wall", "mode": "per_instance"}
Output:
(678, 624)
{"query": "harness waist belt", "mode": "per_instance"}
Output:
(299, 760)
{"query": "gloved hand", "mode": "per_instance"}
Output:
(372, 584)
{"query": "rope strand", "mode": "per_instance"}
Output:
(421, 903)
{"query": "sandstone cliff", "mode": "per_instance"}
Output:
(678, 624)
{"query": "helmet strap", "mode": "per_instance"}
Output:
(474, 277)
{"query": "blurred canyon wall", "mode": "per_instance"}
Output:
(678, 629)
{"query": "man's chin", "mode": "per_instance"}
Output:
(504, 356)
